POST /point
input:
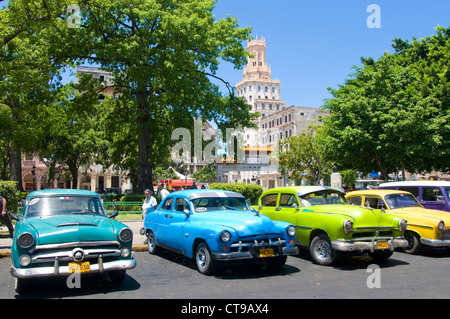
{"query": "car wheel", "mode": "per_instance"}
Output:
(321, 250)
(117, 276)
(151, 244)
(205, 264)
(381, 254)
(20, 285)
(414, 245)
(276, 262)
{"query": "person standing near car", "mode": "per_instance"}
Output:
(162, 191)
(5, 217)
(150, 204)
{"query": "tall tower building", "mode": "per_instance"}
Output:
(277, 120)
(258, 88)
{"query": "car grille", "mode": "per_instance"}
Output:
(243, 246)
(367, 233)
(74, 251)
(445, 234)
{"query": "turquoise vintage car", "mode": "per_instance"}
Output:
(328, 225)
(214, 226)
(62, 231)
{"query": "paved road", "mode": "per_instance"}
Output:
(171, 276)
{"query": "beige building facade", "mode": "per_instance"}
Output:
(277, 121)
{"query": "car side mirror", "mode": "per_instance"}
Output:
(15, 217)
(114, 214)
(187, 212)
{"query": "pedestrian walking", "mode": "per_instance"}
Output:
(150, 204)
(5, 217)
(162, 191)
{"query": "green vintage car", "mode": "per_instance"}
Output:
(329, 226)
(65, 231)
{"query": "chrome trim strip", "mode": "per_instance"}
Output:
(64, 270)
(76, 244)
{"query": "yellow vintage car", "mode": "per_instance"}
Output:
(425, 226)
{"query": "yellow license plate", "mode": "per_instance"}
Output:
(382, 245)
(79, 267)
(266, 252)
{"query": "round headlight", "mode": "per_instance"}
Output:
(348, 226)
(24, 260)
(441, 225)
(290, 230)
(125, 234)
(125, 252)
(402, 225)
(25, 240)
(225, 236)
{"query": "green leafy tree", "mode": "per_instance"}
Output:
(393, 113)
(163, 55)
(207, 174)
(304, 153)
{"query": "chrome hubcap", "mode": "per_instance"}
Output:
(323, 250)
(201, 258)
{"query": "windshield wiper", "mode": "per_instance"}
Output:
(231, 207)
(82, 212)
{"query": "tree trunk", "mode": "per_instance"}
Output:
(144, 172)
(16, 166)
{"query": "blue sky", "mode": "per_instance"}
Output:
(314, 44)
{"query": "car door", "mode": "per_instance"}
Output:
(268, 205)
(162, 220)
(176, 222)
(432, 198)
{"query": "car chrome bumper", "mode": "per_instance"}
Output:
(435, 242)
(57, 270)
(348, 245)
(285, 251)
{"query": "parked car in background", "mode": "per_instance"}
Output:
(214, 226)
(329, 226)
(67, 230)
(430, 194)
(426, 227)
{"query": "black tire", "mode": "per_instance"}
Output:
(117, 276)
(381, 254)
(276, 262)
(322, 252)
(203, 258)
(153, 249)
(21, 285)
(414, 245)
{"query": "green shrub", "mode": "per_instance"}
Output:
(8, 190)
(251, 192)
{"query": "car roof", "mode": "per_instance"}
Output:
(303, 190)
(416, 183)
(62, 192)
(201, 193)
(373, 192)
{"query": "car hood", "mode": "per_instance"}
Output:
(361, 216)
(244, 223)
(416, 213)
(70, 228)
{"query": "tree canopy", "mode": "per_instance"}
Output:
(163, 55)
(394, 113)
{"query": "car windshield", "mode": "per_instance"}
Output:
(219, 203)
(401, 200)
(63, 205)
(323, 197)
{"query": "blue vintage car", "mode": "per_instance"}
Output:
(213, 226)
(62, 231)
